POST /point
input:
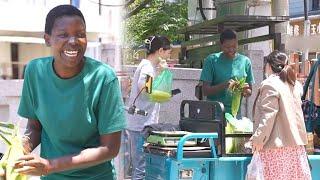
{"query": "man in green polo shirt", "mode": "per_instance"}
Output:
(73, 105)
(221, 69)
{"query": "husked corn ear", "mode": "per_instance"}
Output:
(235, 104)
(236, 92)
(9, 134)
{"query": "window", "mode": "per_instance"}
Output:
(315, 5)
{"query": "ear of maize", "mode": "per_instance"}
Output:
(9, 134)
(236, 92)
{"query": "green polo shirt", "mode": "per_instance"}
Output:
(218, 69)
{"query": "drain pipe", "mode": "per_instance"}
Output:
(201, 10)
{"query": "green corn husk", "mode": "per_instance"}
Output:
(230, 143)
(236, 92)
(9, 134)
(235, 104)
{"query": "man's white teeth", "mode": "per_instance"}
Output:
(71, 53)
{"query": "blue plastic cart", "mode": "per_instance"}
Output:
(162, 167)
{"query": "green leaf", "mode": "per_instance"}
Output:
(5, 132)
(5, 125)
(5, 140)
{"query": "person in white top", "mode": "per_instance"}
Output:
(158, 49)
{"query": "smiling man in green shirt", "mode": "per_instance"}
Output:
(73, 105)
(220, 70)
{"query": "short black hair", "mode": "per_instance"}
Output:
(59, 11)
(154, 43)
(228, 34)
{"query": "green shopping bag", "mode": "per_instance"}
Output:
(161, 87)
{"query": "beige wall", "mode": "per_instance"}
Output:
(31, 51)
(28, 52)
(5, 59)
(5, 52)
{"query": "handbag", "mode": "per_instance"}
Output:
(309, 108)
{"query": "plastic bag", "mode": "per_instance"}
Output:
(161, 87)
(255, 168)
(244, 125)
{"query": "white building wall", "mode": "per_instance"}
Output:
(30, 17)
(28, 20)
(10, 91)
(265, 46)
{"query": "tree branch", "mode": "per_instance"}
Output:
(128, 3)
(137, 9)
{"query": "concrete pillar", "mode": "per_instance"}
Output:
(256, 57)
(307, 24)
(281, 8)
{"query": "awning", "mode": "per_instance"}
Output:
(236, 22)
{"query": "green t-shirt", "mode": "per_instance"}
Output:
(73, 112)
(218, 69)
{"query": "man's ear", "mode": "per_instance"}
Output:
(46, 38)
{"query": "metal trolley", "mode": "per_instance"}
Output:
(207, 123)
(212, 167)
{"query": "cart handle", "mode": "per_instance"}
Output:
(210, 136)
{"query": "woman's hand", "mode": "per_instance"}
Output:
(162, 66)
(256, 147)
(246, 91)
(32, 165)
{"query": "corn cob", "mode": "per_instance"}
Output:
(236, 91)
(9, 134)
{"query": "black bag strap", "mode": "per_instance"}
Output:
(310, 77)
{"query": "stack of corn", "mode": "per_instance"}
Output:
(236, 91)
(9, 134)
